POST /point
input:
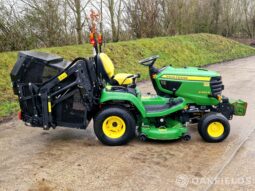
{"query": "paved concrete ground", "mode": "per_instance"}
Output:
(70, 159)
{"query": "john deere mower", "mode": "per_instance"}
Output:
(53, 92)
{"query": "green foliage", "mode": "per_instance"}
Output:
(8, 107)
(188, 50)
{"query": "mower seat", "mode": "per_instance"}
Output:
(107, 70)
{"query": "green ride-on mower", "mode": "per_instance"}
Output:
(53, 92)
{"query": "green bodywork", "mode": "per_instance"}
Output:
(172, 130)
(140, 102)
(194, 89)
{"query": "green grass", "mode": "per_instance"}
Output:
(188, 50)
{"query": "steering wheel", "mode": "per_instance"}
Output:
(149, 61)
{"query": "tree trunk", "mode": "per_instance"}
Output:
(78, 20)
(111, 4)
(101, 16)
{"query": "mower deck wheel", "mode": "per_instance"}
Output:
(186, 137)
(142, 137)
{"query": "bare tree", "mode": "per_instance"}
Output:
(249, 17)
(216, 10)
(114, 10)
(43, 17)
(13, 32)
(143, 17)
(26, 24)
(78, 8)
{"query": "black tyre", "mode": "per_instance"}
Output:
(214, 127)
(114, 126)
(201, 121)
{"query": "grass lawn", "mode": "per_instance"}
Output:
(184, 50)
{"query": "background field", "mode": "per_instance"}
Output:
(186, 50)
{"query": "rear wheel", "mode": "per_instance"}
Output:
(214, 127)
(114, 126)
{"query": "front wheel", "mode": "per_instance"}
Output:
(214, 127)
(114, 126)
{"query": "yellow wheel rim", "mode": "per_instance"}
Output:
(114, 127)
(215, 129)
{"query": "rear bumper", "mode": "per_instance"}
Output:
(239, 107)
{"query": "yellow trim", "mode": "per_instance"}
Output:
(204, 92)
(190, 78)
(206, 84)
(49, 107)
(114, 127)
(215, 129)
(108, 87)
(62, 76)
